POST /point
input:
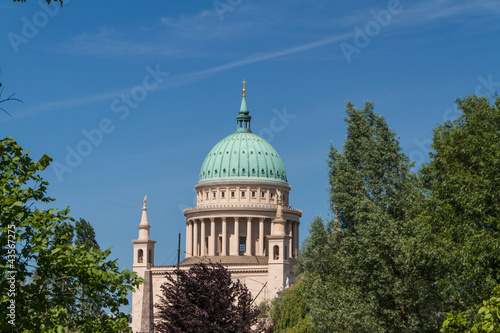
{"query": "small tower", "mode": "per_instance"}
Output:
(243, 118)
(279, 242)
(142, 298)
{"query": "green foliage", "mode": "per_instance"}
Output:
(55, 279)
(454, 324)
(488, 318)
(290, 312)
(364, 274)
(461, 213)
(490, 314)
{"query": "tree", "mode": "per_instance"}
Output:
(461, 212)
(362, 270)
(48, 278)
(85, 235)
(205, 300)
(290, 313)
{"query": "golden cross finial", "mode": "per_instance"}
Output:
(244, 90)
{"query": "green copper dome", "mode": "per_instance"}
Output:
(243, 156)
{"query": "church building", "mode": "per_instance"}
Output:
(242, 219)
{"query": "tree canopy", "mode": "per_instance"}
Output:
(54, 284)
(407, 251)
(361, 273)
(204, 300)
(461, 212)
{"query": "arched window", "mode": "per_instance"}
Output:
(149, 257)
(276, 252)
(140, 256)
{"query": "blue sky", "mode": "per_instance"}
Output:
(156, 84)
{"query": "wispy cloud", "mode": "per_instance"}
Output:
(109, 42)
(196, 22)
(418, 13)
(174, 81)
(184, 36)
(271, 55)
(202, 33)
(425, 12)
(196, 35)
(63, 104)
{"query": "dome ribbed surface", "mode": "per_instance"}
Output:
(243, 156)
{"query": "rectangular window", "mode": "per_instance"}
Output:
(207, 195)
(243, 244)
(263, 194)
(272, 195)
(253, 194)
(243, 194)
(214, 194)
(232, 194)
(222, 194)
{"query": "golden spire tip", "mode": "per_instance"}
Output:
(244, 90)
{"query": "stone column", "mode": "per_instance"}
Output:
(261, 237)
(248, 246)
(224, 236)
(212, 239)
(195, 237)
(189, 238)
(296, 238)
(203, 244)
(236, 241)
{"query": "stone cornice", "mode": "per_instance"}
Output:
(240, 206)
(233, 268)
(241, 182)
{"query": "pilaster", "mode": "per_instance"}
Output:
(248, 246)
(224, 236)
(212, 239)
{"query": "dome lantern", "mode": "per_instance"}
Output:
(243, 118)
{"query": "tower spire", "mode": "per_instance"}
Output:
(144, 225)
(243, 118)
(142, 298)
